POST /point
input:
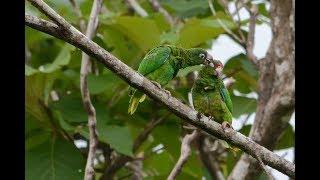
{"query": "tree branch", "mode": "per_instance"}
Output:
(185, 153)
(209, 160)
(158, 8)
(276, 100)
(137, 8)
(77, 10)
(141, 83)
(250, 39)
(224, 27)
(85, 68)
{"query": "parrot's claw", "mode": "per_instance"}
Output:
(168, 92)
(226, 126)
(157, 84)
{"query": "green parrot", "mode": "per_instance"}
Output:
(211, 97)
(162, 64)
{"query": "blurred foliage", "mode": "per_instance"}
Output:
(53, 70)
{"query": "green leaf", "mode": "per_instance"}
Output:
(243, 71)
(144, 32)
(286, 139)
(159, 164)
(28, 70)
(118, 137)
(243, 105)
(120, 44)
(187, 8)
(170, 139)
(98, 84)
(54, 159)
(245, 130)
(34, 97)
(71, 109)
(62, 59)
(36, 139)
(198, 31)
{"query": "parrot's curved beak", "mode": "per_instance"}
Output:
(209, 60)
(218, 66)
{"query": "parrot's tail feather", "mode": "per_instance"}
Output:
(142, 98)
(136, 98)
(131, 91)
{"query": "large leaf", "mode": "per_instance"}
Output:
(242, 70)
(159, 164)
(62, 59)
(35, 133)
(118, 137)
(103, 82)
(72, 110)
(35, 97)
(187, 8)
(54, 159)
(286, 139)
(144, 32)
(243, 105)
(168, 135)
(120, 44)
(198, 31)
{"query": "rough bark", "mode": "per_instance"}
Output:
(276, 100)
(85, 94)
(69, 34)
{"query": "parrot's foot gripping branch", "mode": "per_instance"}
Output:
(159, 86)
(226, 126)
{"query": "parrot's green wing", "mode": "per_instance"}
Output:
(226, 97)
(154, 59)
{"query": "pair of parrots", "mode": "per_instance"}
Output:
(210, 96)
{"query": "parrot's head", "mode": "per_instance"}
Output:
(200, 56)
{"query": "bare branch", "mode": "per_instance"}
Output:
(185, 153)
(250, 39)
(158, 8)
(137, 8)
(225, 28)
(276, 100)
(85, 68)
(210, 162)
(77, 11)
(141, 83)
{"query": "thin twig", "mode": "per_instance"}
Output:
(239, 21)
(209, 161)
(85, 68)
(222, 24)
(137, 8)
(185, 153)
(185, 147)
(158, 8)
(77, 11)
(250, 39)
(187, 114)
(121, 160)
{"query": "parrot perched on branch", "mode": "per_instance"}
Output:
(211, 97)
(162, 64)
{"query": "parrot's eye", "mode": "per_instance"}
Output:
(202, 56)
